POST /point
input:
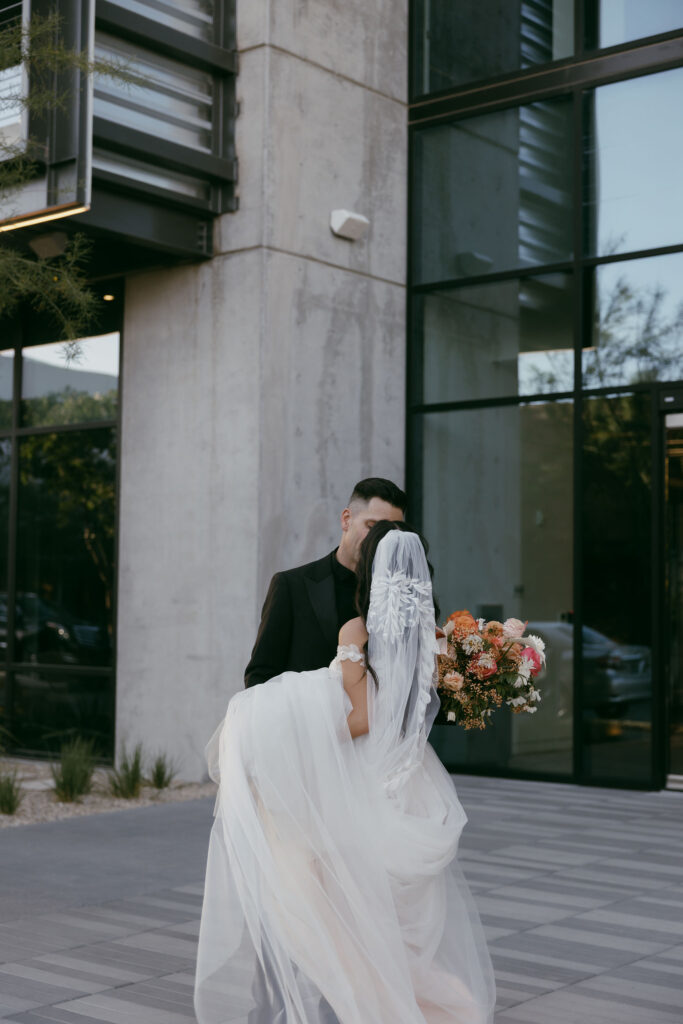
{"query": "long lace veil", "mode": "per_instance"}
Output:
(402, 701)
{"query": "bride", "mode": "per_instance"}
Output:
(332, 890)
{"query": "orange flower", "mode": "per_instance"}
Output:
(463, 622)
(494, 628)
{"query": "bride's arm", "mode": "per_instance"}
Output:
(354, 676)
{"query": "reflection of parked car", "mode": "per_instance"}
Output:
(45, 633)
(613, 674)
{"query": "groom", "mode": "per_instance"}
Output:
(306, 607)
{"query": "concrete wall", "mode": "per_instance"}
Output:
(258, 387)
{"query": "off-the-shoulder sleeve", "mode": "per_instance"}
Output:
(350, 652)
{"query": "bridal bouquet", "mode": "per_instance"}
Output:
(483, 665)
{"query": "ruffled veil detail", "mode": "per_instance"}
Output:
(332, 892)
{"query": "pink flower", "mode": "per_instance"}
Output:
(513, 627)
(483, 666)
(534, 659)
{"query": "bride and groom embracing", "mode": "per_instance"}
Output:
(333, 894)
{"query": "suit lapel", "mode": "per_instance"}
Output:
(322, 598)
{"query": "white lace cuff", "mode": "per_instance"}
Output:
(350, 652)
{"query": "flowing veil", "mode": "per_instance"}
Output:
(332, 895)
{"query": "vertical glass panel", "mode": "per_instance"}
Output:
(5, 467)
(673, 483)
(508, 338)
(63, 385)
(611, 22)
(497, 511)
(65, 547)
(638, 323)
(468, 40)
(195, 17)
(176, 104)
(12, 82)
(493, 192)
(632, 160)
(51, 707)
(617, 591)
(6, 388)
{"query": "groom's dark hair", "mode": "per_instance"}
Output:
(378, 487)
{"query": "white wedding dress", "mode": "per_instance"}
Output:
(332, 890)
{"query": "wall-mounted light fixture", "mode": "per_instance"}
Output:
(347, 224)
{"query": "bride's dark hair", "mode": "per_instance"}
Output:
(364, 569)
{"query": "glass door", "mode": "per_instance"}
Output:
(673, 495)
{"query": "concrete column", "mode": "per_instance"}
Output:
(258, 387)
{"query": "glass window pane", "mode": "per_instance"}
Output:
(611, 22)
(159, 177)
(617, 592)
(61, 387)
(497, 512)
(508, 338)
(192, 16)
(176, 105)
(65, 547)
(457, 42)
(6, 388)
(638, 323)
(50, 708)
(5, 465)
(632, 158)
(493, 192)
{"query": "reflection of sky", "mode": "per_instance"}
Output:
(638, 162)
(96, 355)
(621, 20)
(535, 370)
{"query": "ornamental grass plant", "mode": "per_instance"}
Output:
(11, 793)
(162, 772)
(72, 775)
(126, 780)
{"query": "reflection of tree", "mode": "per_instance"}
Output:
(635, 340)
(69, 406)
(71, 478)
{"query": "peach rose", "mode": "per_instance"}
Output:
(494, 628)
(483, 666)
(514, 627)
(463, 623)
(453, 681)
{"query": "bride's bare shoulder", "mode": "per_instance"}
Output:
(353, 632)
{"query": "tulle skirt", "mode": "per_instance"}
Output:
(328, 900)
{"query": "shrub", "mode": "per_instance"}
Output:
(11, 793)
(126, 780)
(72, 777)
(162, 772)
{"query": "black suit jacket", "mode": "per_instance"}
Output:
(299, 626)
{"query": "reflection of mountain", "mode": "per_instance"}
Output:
(40, 379)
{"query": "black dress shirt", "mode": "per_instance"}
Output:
(345, 583)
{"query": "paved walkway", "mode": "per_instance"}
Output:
(580, 890)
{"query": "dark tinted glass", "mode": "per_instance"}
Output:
(51, 707)
(611, 22)
(638, 325)
(62, 384)
(5, 459)
(458, 41)
(633, 153)
(617, 592)
(65, 548)
(6, 388)
(489, 340)
(498, 516)
(493, 192)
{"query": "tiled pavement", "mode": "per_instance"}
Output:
(580, 890)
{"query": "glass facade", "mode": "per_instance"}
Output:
(58, 467)
(546, 366)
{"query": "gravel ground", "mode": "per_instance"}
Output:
(40, 804)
